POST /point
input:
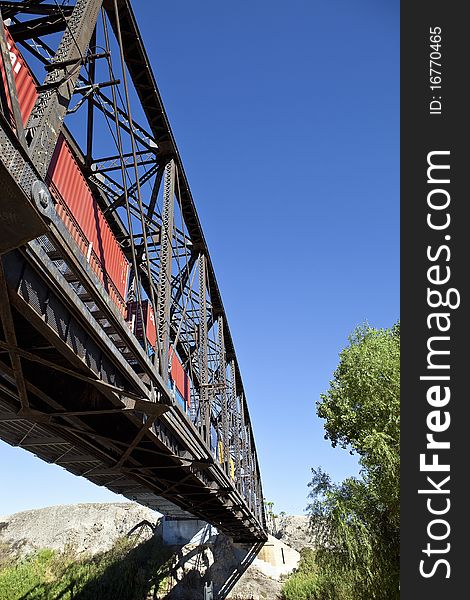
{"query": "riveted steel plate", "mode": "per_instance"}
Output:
(19, 219)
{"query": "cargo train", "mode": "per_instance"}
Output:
(84, 219)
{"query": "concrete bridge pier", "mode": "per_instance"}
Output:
(179, 532)
(209, 565)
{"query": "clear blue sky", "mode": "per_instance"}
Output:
(287, 119)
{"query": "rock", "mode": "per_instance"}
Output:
(231, 568)
(239, 571)
(262, 579)
(294, 530)
(90, 528)
(255, 585)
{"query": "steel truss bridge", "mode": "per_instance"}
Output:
(81, 385)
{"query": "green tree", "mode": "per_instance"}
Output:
(357, 522)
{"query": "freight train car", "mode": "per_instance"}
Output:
(134, 318)
(80, 212)
(84, 219)
(180, 382)
(24, 81)
(76, 205)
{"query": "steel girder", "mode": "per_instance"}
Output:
(169, 256)
(48, 113)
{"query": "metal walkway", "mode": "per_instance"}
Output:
(133, 384)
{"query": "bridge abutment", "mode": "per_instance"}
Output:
(179, 532)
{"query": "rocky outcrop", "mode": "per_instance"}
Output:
(238, 570)
(241, 572)
(90, 528)
(295, 531)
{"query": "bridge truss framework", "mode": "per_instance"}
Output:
(76, 386)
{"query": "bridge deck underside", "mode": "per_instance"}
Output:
(80, 385)
(72, 423)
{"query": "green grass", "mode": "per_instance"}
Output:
(129, 571)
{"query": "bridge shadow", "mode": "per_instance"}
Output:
(218, 564)
(230, 579)
(152, 570)
(131, 571)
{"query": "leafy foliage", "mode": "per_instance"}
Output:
(126, 572)
(357, 522)
(303, 584)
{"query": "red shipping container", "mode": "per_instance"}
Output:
(76, 205)
(180, 377)
(24, 80)
(133, 315)
(69, 183)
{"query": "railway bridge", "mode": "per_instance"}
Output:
(116, 358)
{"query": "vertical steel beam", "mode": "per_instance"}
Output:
(184, 278)
(223, 392)
(155, 190)
(253, 479)
(164, 278)
(6, 318)
(48, 113)
(91, 106)
(236, 424)
(244, 452)
(259, 500)
(249, 460)
(251, 468)
(205, 408)
(261, 516)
